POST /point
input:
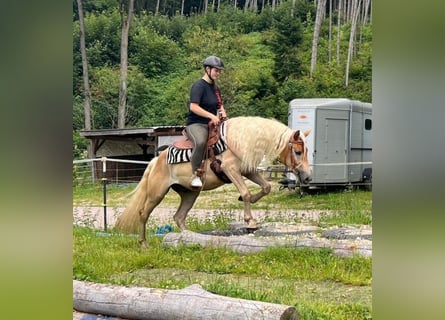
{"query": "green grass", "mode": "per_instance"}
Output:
(319, 284)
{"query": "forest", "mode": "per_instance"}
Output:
(274, 51)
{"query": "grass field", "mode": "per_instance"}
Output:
(319, 284)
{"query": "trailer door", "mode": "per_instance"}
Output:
(332, 153)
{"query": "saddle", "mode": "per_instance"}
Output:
(213, 138)
(187, 143)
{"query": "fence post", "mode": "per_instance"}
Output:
(104, 180)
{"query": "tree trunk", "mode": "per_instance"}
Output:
(330, 33)
(355, 12)
(246, 5)
(124, 62)
(86, 82)
(157, 7)
(365, 5)
(338, 30)
(192, 302)
(318, 20)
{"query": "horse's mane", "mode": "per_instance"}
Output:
(252, 138)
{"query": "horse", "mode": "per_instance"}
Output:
(248, 141)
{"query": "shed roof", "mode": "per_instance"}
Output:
(141, 136)
(132, 132)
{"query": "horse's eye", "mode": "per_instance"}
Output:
(298, 153)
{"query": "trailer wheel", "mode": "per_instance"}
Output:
(367, 179)
(367, 184)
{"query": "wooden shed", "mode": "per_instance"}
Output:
(140, 144)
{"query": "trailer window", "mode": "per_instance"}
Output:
(368, 124)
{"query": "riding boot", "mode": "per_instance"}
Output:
(196, 180)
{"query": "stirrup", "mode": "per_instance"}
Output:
(199, 172)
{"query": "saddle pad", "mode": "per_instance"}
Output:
(175, 155)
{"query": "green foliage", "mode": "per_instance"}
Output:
(267, 56)
(80, 145)
(170, 27)
(154, 54)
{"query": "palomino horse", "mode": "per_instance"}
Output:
(248, 140)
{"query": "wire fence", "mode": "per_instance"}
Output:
(90, 171)
(118, 171)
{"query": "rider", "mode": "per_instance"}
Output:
(205, 102)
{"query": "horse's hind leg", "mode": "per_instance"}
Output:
(151, 202)
(188, 199)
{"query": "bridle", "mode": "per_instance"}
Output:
(295, 164)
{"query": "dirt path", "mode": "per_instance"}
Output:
(94, 216)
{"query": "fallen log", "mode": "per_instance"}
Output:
(249, 244)
(241, 244)
(342, 248)
(192, 302)
(89, 316)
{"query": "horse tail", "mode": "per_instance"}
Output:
(129, 220)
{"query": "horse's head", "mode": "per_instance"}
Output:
(295, 156)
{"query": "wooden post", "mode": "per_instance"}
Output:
(104, 181)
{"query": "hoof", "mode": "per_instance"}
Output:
(143, 244)
(252, 225)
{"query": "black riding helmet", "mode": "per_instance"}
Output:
(213, 62)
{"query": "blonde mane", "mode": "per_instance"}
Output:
(252, 138)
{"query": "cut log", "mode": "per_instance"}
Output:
(342, 248)
(251, 244)
(240, 244)
(89, 316)
(192, 302)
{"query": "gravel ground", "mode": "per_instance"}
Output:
(94, 216)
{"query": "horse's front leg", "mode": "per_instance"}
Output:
(263, 183)
(246, 196)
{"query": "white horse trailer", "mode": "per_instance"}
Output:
(340, 144)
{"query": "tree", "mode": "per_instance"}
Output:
(86, 82)
(355, 12)
(330, 32)
(124, 61)
(338, 30)
(317, 27)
